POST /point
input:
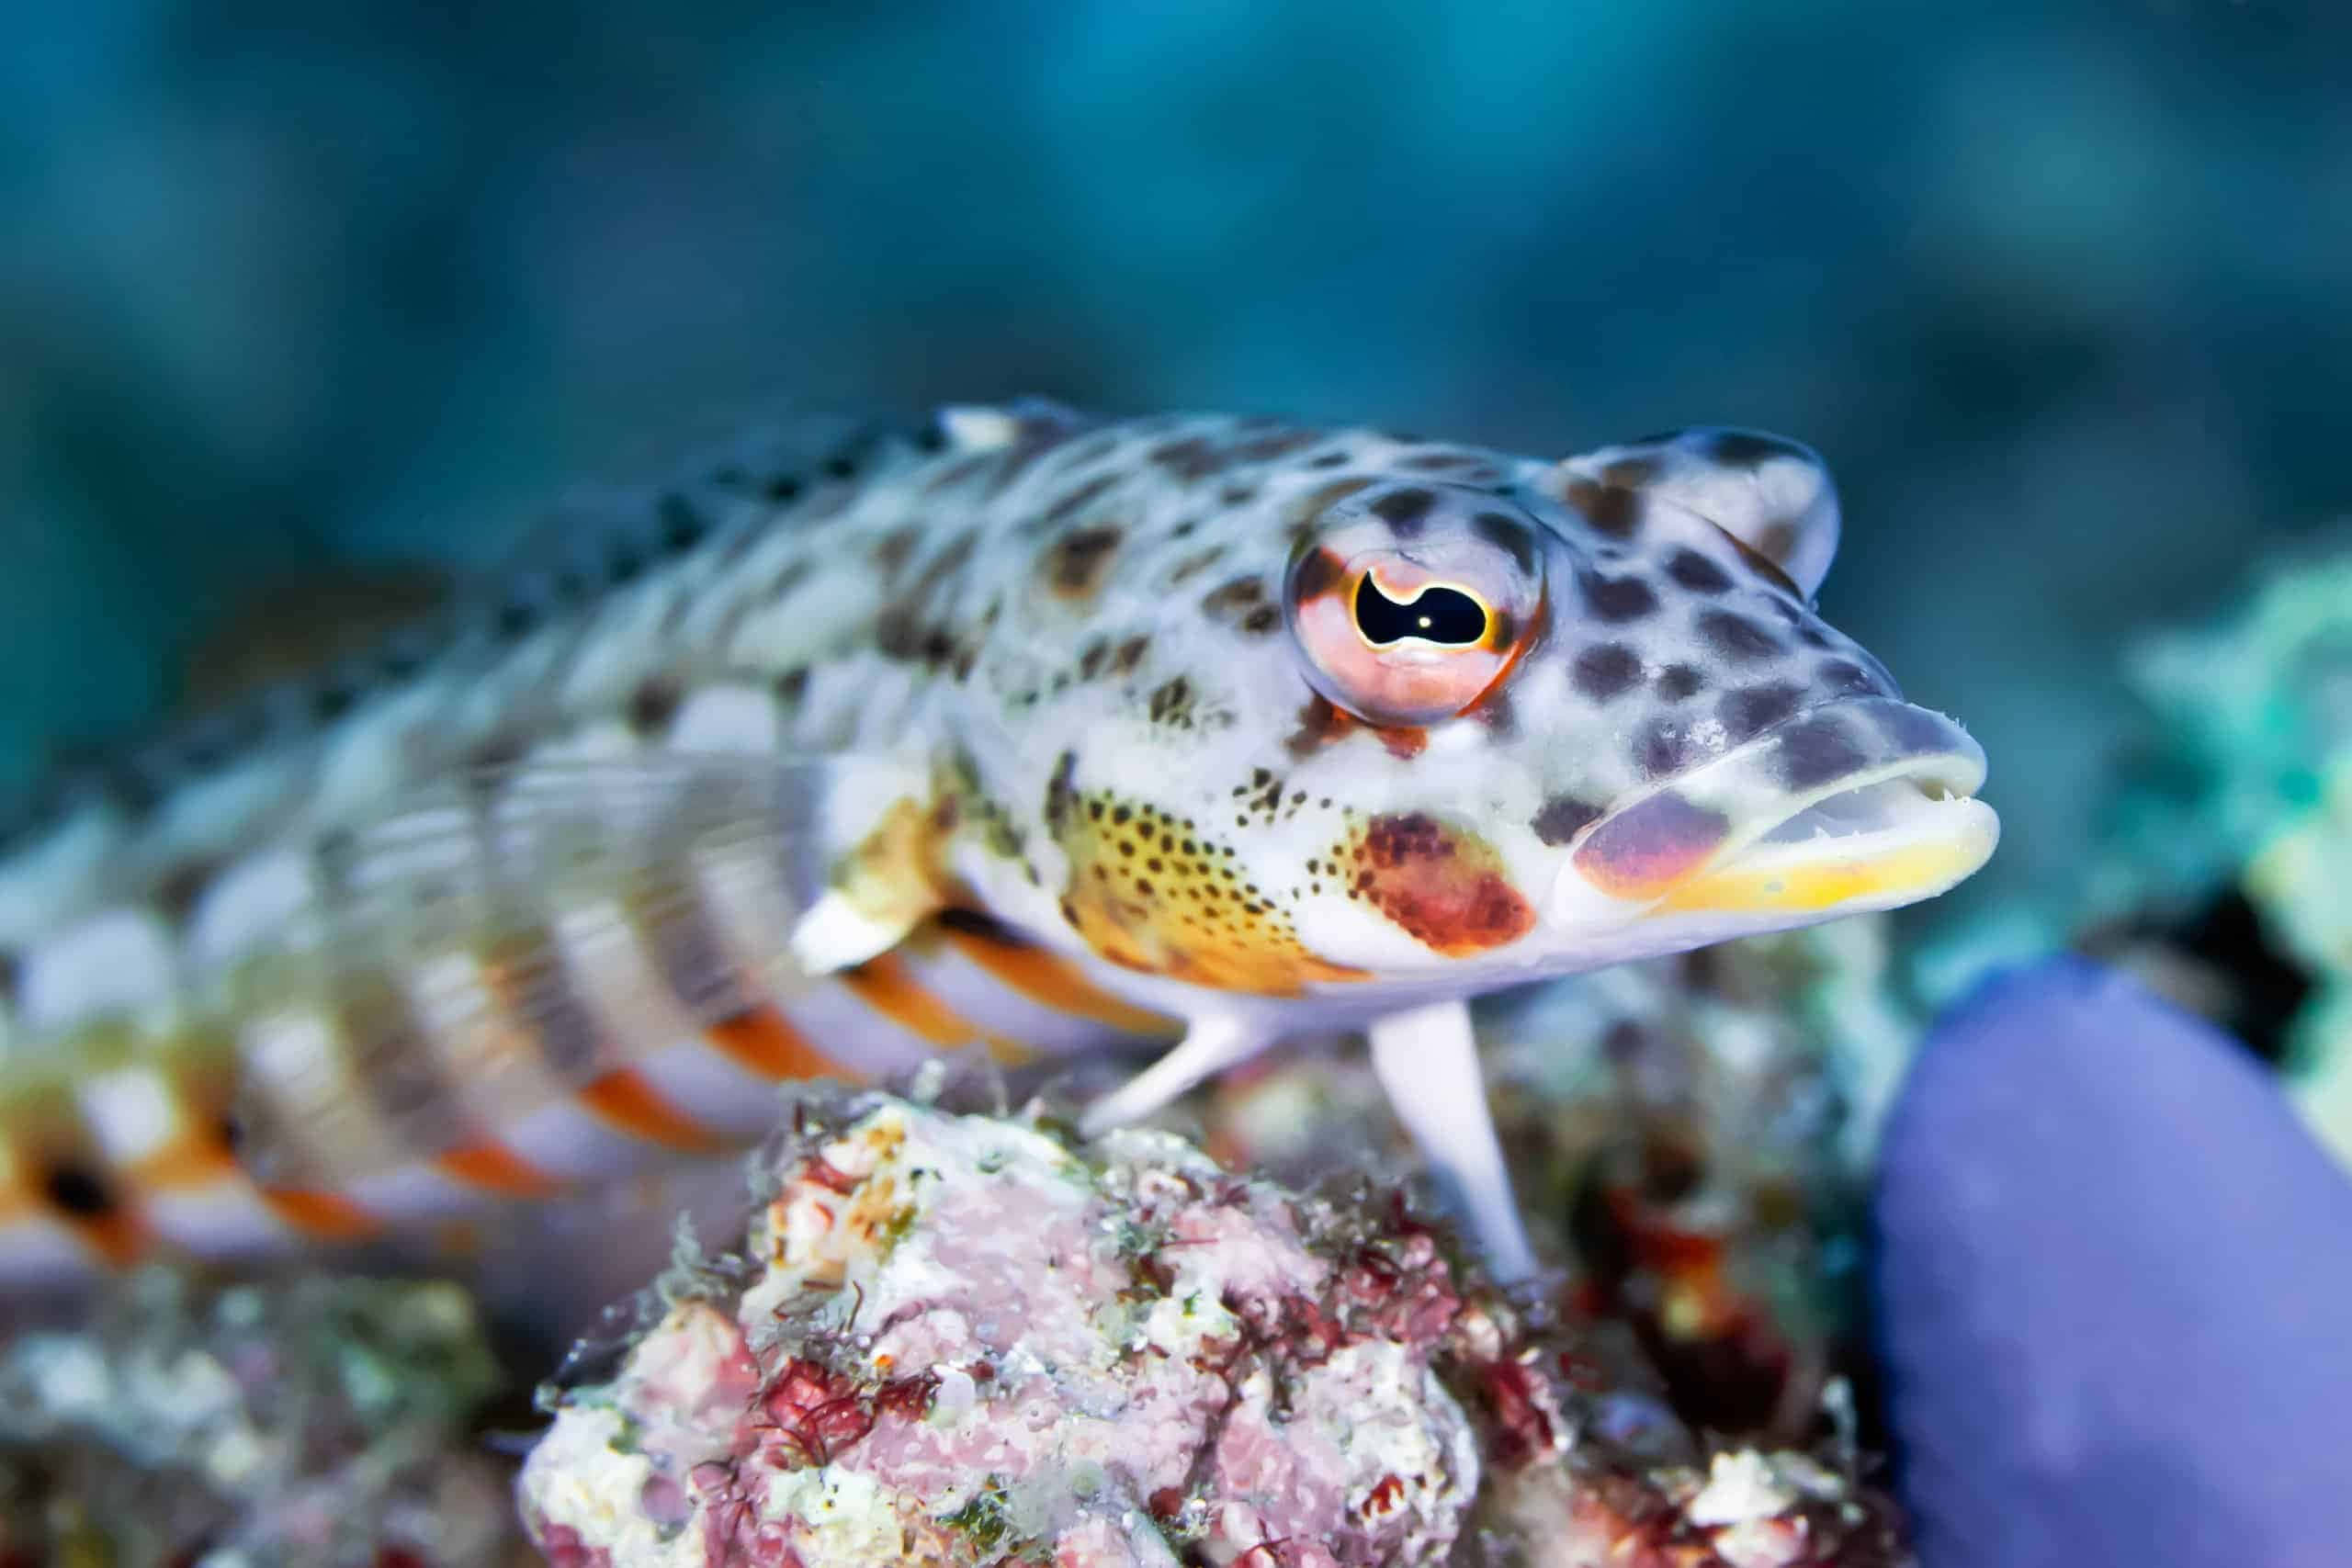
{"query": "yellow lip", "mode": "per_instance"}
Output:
(1935, 845)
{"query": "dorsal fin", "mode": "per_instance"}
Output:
(296, 624)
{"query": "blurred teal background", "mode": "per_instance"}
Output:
(2060, 290)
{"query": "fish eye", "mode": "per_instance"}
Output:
(1437, 614)
(1407, 607)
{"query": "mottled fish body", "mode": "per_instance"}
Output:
(1021, 729)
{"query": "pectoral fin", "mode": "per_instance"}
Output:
(890, 877)
(1209, 1046)
(1427, 1061)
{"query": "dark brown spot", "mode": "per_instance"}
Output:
(498, 753)
(1816, 751)
(793, 685)
(78, 1190)
(681, 526)
(1737, 638)
(1265, 448)
(1191, 566)
(789, 576)
(1262, 620)
(1130, 654)
(958, 473)
(1632, 473)
(1172, 702)
(1439, 462)
(1752, 710)
(893, 550)
(332, 700)
(1914, 732)
(1617, 599)
(1059, 792)
(1606, 670)
(1508, 534)
(1747, 450)
(1661, 747)
(1076, 562)
(1232, 597)
(1494, 711)
(1696, 573)
(1677, 682)
(898, 630)
(1191, 460)
(177, 890)
(1612, 510)
(1502, 628)
(1089, 659)
(1404, 511)
(516, 618)
(1071, 501)
(1563, 817)
(655, 703)
(1843, 677)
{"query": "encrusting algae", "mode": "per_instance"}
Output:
(961, 1340)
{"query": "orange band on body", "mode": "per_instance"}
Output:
(494, 1167)
(624, 1100)
(761, 1041)
(1053, 981)
(322, 1216)
(885, 985)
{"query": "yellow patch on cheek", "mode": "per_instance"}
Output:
(1148, 892)
(1825, 885)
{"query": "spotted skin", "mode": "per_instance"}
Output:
(1022, 728)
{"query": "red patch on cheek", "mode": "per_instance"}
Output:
(1442, 887)
(1648, 847)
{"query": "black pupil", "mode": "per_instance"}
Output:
(1437, 614)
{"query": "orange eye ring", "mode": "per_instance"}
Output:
(1403, 632)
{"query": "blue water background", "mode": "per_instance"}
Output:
(2061, 290)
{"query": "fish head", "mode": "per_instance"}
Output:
(1591, 714)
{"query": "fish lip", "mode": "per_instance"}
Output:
(1890, 789)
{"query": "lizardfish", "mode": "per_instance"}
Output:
(1018, 728)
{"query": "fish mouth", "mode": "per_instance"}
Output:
(1863, 805)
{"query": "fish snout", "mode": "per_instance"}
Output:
(1866, 803)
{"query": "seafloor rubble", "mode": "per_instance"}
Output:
(1688, 1136)
(956, 1338)
(322, 1422)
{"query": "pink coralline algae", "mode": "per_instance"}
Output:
(955, 1340)
(960, 1340)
